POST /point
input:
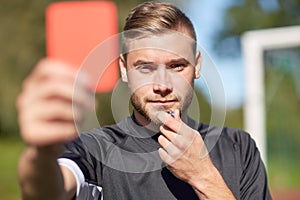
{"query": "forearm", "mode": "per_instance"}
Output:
(211, 185)
(39, 174)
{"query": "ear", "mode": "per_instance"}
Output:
(198, 65)
(123, 70)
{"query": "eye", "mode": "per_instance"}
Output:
(177, 67)
(145, 68)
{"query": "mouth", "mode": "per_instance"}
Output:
(162, 101)
(163, 104)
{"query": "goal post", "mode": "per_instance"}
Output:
(254, 43)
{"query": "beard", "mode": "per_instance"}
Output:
(140, 105)
(150, 112)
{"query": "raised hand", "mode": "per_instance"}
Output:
(46, 105)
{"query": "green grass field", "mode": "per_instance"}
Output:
(10, 151)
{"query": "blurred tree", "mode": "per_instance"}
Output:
(22, 44)
(22, 37)
(251, 15)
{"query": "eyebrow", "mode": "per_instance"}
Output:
(179, 60)
(144, 62)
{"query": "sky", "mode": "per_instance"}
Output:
(207, 17)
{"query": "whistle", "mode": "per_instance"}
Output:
(171, 113)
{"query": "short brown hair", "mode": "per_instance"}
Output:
(154, 16)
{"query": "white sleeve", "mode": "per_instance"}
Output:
(84, 190)
(71, 165)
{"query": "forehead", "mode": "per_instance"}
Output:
(150, 55)
(163, 45)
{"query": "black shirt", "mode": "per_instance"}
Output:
(122, 160)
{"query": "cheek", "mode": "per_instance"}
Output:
(183, 84)
(136, 82)
(140, 90)
(141, 94)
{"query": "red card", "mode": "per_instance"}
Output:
(74, 29)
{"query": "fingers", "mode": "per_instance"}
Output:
(181, 142)
(52, 79)
(54, 89)
(169, 134)
(173, 145)
(169, 152)
(172, 123)
(165, 156)
(44, 133)
(178, 138)
(53, 98)
(48, 69)
(176, 125)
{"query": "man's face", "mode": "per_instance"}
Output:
(161, 79)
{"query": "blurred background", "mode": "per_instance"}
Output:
(219, 25)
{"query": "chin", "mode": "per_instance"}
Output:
(153, 113)
(152, 116)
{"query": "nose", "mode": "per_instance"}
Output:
(162, 83)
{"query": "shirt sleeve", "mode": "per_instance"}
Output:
(78, 158)
(84, 190)
(78, 152)
(253, 182)
(73, 167)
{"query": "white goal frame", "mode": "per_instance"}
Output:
(254, 43)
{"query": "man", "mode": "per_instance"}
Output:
(158, 152)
